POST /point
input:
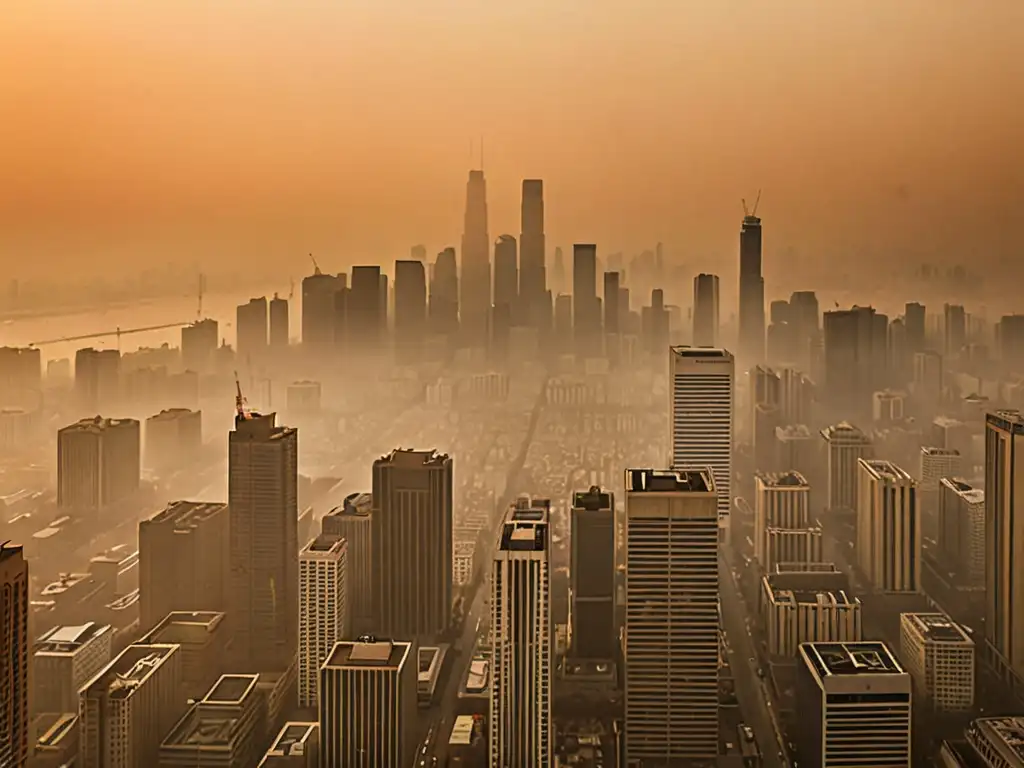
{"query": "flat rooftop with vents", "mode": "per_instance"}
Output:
(850, 659)
(384, 654)
(783, 480)
(187, 514)
(293, 738)
(696, 480)
(66, 641)
(182, 626)
(1002, 735)
(887, 470)
(216, 720)
(126, 673)
(936, 627)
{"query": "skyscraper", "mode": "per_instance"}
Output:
(506, 273)
(586, 317)
(520, 721)
(444, 293)
(252, 326)
(279, 321)
(98, 463)
(671, 644)
(410, 308)
(1004, 540)
(705, 310)
(352, 521)
(701, 387)
(751, 315)
(412, 543)
(592, 575)
(14, 656)
(611, 303)
(475, 301)
(318, 292)
(323, 608)
(363, 309)
(264, 551)
(846, 445)
(856, 357)
(532, 252)
(888, 527)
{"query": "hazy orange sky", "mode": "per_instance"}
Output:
(251, 131)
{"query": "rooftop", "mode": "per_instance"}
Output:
(593, 499)
(1008, 420)
(793, 432)
(176, 627)
(846, 659)
(886, 470)
(172, 414)
(463, 730)
(525, 528)
(98, 425)
(405, 458)
(63, 584)
(68, 640)
(709, 352)
(290, 735)
(130, 669)
(670, 481)
(187, 515)
(356, 504)
(56, 727)
(385, 654)
(844, 430)
(1005, 734)
(325, 543)
(230, 689)
(936, 627)
(791, 479)
(793, 598)
(964, 490)
(930, 451)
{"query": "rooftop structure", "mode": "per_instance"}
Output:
(135, 664)
(293, 739)
(407, 458)
(97, 425)
(187, 514)
(965, 490)
(231, 689)
(67, 640)
(937, 628)
(179, 624)
(66, 582)
(851, 659)
(1001, 737)
(369, 653)
(669, 481)
(932, 451)
(887, 470)
(325, 543)
(783, 480)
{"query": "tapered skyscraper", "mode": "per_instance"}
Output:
(532, 270)
(751, 331)
(475, 303)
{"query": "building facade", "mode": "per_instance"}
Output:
(323, 608)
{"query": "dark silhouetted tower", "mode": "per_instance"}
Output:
(251, 327)
(475, 303)
(705, 310)
(444, 293)
(532, 267)
(751, 314)
(586, 317)
(410, 307)
(279, 322)
(318, 292)
(506, 272)
(913, 318)
(14, 658)
(611, 302)
(363, 310)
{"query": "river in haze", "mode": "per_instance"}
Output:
(220, 307)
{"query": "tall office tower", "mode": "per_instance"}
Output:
(475, 297)
(506, 274)
(444, 293)
(781, 502)
(961, 530)
(14, 651)
(705, 310)
(563, 323)
(523, 652)
(183, 553)
(280, 323)
(855, 698)
(363, 308)
(855, 358)
(765, 388)
(384, 303)
(592, 574)
(410, 309)
(412, 515)
(796, 397)
(702, 414)
(174, 439)
(532, 251)
(586, 319)
(558, 272)
(97, 378)
(939, 656)
(807, 321)
(846, 446)
(341, 312)
(352, 521)
(367, 708)
(655, 324)
(929, 377)
(251, 328)
(318, 292)
(936, 464)
(808, 603)
(900, 359)
(199, 345)
(98, 463)
(323, 608)
(1004, 540)
(264, 550)
(297, 745)
(612, 310)
(888, 527)
(1009, 332)
(63, 660)
(955, 329)
(21, 377)
(129, 706)
(914, 319)
(751, 293)
(671, 645)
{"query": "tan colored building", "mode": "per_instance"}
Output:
(889, 536)
(939, 655)
(14, 661)
(98, 463)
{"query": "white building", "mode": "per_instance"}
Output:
(846, 445)
(939, 655)
(63, 660)
(323, 608)
(888, 527)
(854, 700)
(961, 529)
(702, 392)
(781, 501)
(522, 654)
(808, 607)
(671, 645)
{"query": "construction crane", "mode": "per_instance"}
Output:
(751, 214)
(242, 412)
(118, 332)
(316, 267)
(202, 290)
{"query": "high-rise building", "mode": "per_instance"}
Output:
(280, 322)
(1004, 539)
(174, 438)
(856, 358)
(705, 310)
(939, 656)
(412, 516)
(671, 645)
(183, 554)
(781, 502)
(410, 309)
(802, 604)
(914, 320)
(889, 536)
(297, 745)
(199, 344)
(203, 642)
(532, 252)
(846, 445)
(586, 318)
(592, 575)
(961, 530)
(506, 274)
(128, 707)
(98, 463)
(855, 701)
(318, 321)
(936, 464)
(363, 309)
(955, 329)
(352, 521)
(264, 551)
(611, 303)
(63, 659)
(252, 328)
(523, 652)
(323, 608)
(444, 293)
(14, 657)
(751, 292)
(97, 378)
(21, 377)
(367, 708)
(702, 381)
(475, 282)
